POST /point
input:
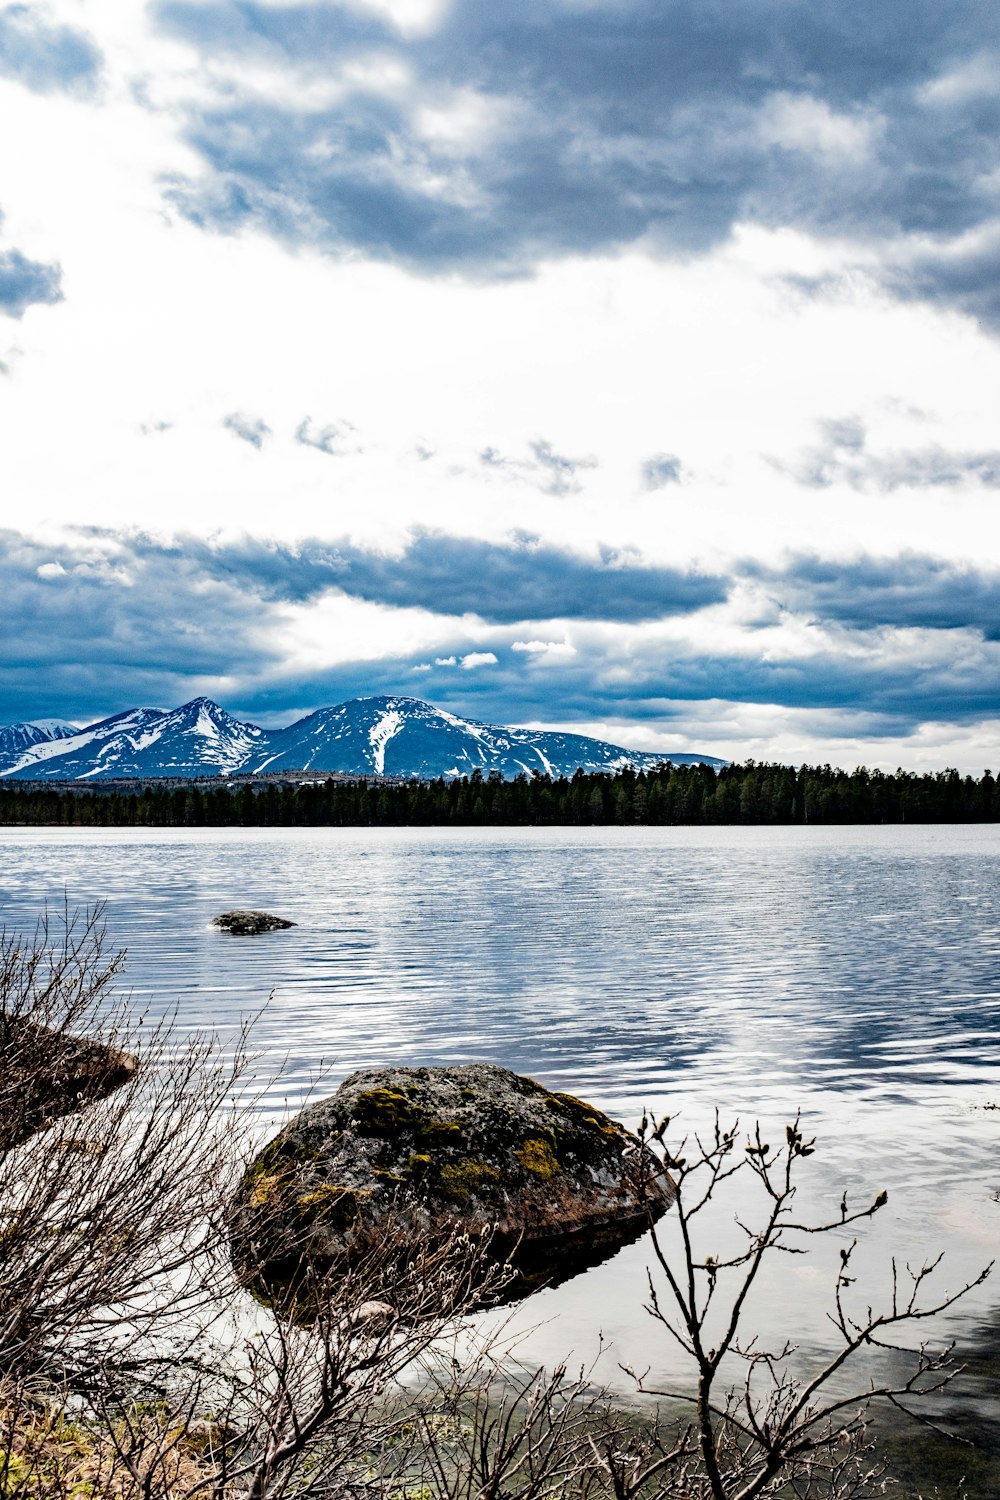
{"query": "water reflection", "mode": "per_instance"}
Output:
(850, 973)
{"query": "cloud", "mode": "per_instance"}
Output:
(559, 470)
(843, 457)
(147, 625)
(659, 470)
(508, 134)
(25, 283)
(252, 430)
(505, 584)
(333, 439)
(961, 271)
(897, 679)
(889, 644)
(45, 56)
(545, 649)
(551, 472)
(904, 592)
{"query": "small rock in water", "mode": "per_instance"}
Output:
(421, 1152)
(248, 923)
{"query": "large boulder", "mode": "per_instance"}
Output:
(249, 923)
(407, 1154)
(46, 1073)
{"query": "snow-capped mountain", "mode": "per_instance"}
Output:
(407, 737)
(16, 738)
(197, 739)
(365, 737)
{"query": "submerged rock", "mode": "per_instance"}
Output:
(417, 1152)
(249, 923)
(46, 1073)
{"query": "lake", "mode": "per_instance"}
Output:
(852, 974)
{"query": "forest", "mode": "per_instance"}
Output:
(750, 793)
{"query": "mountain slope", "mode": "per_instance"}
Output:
(366, 737)
(77, 755)
(197, 739)
(16, 738)
(406, 737)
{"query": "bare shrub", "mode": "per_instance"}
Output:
(767, 1430)
(107, 1218)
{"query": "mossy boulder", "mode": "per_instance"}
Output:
(421, 1151)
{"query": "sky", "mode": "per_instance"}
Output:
(622, 366)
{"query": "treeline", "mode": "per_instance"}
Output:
(752, 793)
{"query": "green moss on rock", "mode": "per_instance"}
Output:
(332, 1206)
(389, 1113)
(385, 1112)
(459, 1179)
(538, 1157)
(587, 1115)
(265, 1189)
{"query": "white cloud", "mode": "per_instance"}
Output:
(800, 123)
(475, 659)
(544, 648)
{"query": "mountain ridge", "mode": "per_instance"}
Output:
(16, 738)
(380, 735)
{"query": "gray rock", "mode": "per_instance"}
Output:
(249, 923)
(46, 1073)
(422, 1150)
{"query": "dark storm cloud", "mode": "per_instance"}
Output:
(901, 640)
(154, 618)
(44, 56)
(904, 592)
(962, 275)
(611, 122)
(880, 690)
(106, 616)
(842, 456)
(460, 575)
(25, 283)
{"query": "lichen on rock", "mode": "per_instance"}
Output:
(418, 1152)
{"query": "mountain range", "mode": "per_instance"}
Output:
(381, 736)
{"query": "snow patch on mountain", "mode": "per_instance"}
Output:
(380, 734)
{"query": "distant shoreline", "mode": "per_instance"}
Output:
(749, 794)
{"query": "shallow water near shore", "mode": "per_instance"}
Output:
(852, 974)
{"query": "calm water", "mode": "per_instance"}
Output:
(852, 974)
